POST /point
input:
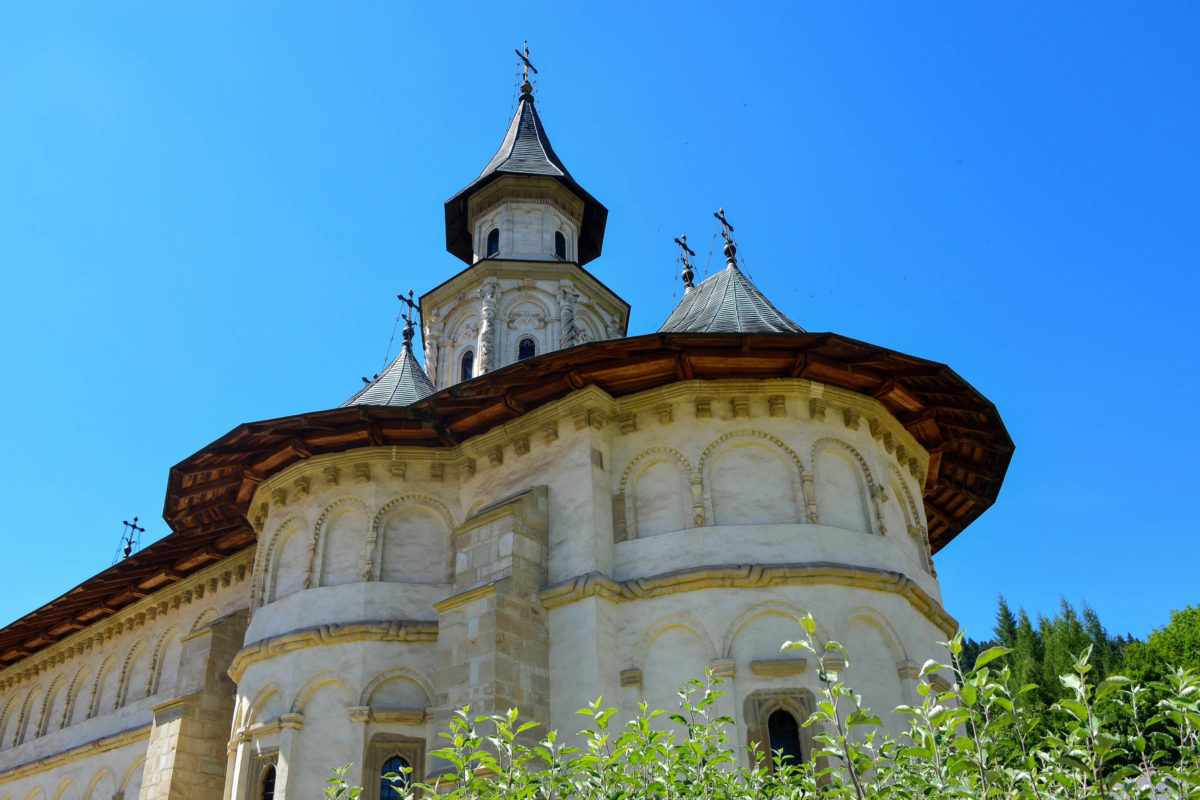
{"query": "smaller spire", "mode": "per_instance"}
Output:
(526, 86)
(730, 249)
(685, 255)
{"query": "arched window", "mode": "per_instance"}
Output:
(389, 788)
(560, 245)
(266, 783)
(526, 348)
(784, 735)
(468, 365)
(493, 242)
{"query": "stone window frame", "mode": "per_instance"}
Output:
(488, 252)
(522, 336)
(462, 357)
(762, 703)
(382, 747)
(260, 761)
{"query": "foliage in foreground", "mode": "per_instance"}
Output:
(972, 741)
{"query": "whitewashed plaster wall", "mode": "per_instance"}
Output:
(689, 527)
(75, 717)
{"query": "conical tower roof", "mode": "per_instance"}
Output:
(526, 150)
(727, 302)
(402, 383)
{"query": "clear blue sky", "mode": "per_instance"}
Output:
(207, 210)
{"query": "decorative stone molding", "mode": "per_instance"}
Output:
(293, 721)
(333, 475)
(495, 456)
(908, 671)
(778, 667)
(399, 470)
(938, 683)
(76, 754)
(851, 417)
(589, 417)
(466, 468)
(834, 661)
(279, 497)
(777, 405)
(627, 422)
(362, 472)
(360, 714)
(302, 485)
(889, 442)
(816, 409)
(521, 445)
(437, 471)
(703, 408)
(876, 428)
(723, 668)
(740, 406)
(323, 635)
(631, 678)
(746, 576)
(665, 414)
(550, 432)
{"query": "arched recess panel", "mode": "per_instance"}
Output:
(416, 547)
(343, 550)
(841, 492)
(102, 786)
(660, 499)
(30, 714)
(751, 485)
(317, 746)
(56, 706)
(137, 675)
(873, 670)
(81, 696)
(399, 692)
(9, 711)
(133, 779)
(107, 686)
(170, 648)
(291, 564)
(672, 658)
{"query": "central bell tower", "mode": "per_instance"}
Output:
(524, 227)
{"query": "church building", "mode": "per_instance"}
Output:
(540, 510)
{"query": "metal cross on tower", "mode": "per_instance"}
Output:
(408, 319)
(726, 228)
(131, 536)
(528, 64)
(684, 253)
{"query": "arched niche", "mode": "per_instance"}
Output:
(752, 478)
(843, 491)
(342, 532)
(287, 561)
(414, 541)
(656, 493)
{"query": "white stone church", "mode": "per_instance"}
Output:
(548, 510)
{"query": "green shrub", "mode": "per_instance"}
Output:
(972, 741)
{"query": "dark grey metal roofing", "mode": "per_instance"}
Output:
(525, 150)
(727, 303)
(402, 383)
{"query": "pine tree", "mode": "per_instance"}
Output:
(1006, 625)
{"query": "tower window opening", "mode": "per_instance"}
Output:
(266, 783)
(493, 242)
(468, 365)
(784, 734)
(560, 245)
(389, 788)
(526, 348)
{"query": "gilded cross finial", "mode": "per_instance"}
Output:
(526, 86)
(132, 537)
(685, 255)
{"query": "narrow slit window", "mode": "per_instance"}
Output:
(526, 348)
(493, 242)
(389, 788)
(468, 365)
(784, 733)
(266, 783)
(560, 245)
